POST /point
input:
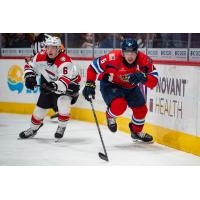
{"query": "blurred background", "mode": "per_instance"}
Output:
(90, 45)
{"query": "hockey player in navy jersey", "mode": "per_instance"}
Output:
(120, 72)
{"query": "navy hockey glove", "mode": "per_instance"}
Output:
(137, 77)
(89, 90)
(73, 87)
(30, 80)
(108, 77)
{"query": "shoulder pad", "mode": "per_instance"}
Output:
(62, 58)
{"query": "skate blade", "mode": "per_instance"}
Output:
(142, 142)
(25, 138)
(58, 140)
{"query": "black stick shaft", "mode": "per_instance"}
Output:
(95, 117)
(44, 86)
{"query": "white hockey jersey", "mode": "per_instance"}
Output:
(62, 71)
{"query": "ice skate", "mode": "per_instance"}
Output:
(59, 133)
(29, 133)
(140, 136)
(111, 123)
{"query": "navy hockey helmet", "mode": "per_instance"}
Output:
(130, 44)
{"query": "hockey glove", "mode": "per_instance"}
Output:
(51, 86)
(108, 77)
(89, 90)
(73, 87)
(137, 77)
(30, 80)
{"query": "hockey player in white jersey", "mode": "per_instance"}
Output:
(38, 45)
(59, 86)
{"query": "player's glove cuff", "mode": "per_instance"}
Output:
(90, 84)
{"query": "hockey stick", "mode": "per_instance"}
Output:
(54, 116)
(68, 93)
(44, 86)
(101, 155)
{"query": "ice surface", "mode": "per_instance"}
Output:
(80, 146)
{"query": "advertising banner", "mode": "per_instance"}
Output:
(173, 104)
(12, 87)
(168, 54)
(194, 54)
(16, 51)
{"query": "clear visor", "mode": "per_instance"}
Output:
(51, 47)
(129, 52)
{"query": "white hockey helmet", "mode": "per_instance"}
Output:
(53, 41)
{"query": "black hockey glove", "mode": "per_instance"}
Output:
(51, 86)
(137, 77)
(30, 80)
(74, 88)
(48, 87)
(89, 90)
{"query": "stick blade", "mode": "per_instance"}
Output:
(103, 156)
(54, 116)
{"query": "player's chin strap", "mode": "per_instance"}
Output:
(44, 86)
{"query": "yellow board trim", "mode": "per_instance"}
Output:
(172, 138)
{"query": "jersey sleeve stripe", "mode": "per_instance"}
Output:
(154, 73)
(77, 79)
(65, 80)
(28, 70)
(96, 66)
(27, 67)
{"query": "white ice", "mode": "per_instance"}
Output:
(80, 146)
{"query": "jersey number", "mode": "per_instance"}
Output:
(103, 61)
(64, 70)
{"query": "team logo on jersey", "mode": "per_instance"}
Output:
(124, 78)
(62, 59)
(112, 56)
(15, 78)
